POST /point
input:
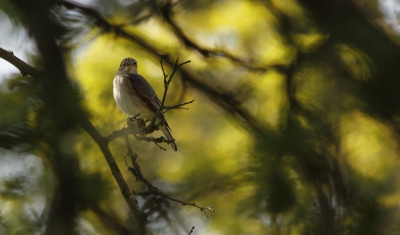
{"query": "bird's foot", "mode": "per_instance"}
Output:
(137, 125)
(131, 119)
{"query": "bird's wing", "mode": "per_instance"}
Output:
(145, 92)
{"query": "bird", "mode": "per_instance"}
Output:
(136, 97)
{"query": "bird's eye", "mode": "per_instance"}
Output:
(123, 64)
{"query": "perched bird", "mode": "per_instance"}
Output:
(134, 95)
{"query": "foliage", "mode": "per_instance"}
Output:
(294, 128)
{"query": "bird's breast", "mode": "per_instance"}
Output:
(127, 99)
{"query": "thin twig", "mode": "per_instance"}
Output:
(166, 85)
(130, 151)
(135, 170)
(191, 230)
(178, 106)
(155, 140)
(156, 192)
(177, 66)
(202, 208)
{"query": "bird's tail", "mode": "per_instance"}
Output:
(167, 132)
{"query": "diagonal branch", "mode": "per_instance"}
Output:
(152, 190)
(166, 12)
(23, 67)
(102, 142)
(221, 99)
(110, 220)
(191, 230)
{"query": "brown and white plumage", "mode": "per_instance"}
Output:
(134, 95)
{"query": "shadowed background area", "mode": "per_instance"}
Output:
(294, 128)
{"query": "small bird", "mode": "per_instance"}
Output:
(135, 96)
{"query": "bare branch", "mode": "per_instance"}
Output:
(110, 220)
(154, 191)
(23, 67)
(191, 230)
(138, 129)
(178, 106)
(124, 131)
(125, 191)
(101, 141)
(166, 85)
(155, 140)
(166, 12)
(135, 170)
(221, 99)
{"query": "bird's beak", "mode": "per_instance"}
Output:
(133, 68)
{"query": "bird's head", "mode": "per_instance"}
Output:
(128, 65)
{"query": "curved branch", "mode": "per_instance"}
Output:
(102, 142)
(166, 12)
(123, 186)
(23, 67)
(221, 99)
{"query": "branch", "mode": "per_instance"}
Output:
(135, 170)
(138, 129)
(178, 106)
(191, 230)
(124, 131)
(166, 85)
(23, 67)
(154, 191)
(221, 99)
(110, 221)
(156, 141)
(166, 12)
(102, 142)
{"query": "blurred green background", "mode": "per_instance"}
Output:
(294, 128)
